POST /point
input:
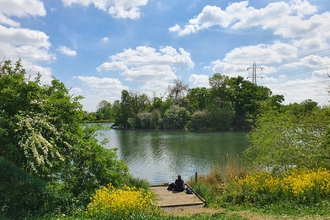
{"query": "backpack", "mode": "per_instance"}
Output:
(189, 190)
(171, 186)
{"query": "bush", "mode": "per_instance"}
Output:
(111, 203)
(175, 118)
(20, 193)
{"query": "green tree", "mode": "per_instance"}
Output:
(198, 98)
(104, 111)
(42, 133)
(131, 104)
(218, 92)
(175, 118)
(283, 139)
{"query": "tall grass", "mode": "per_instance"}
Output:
(221, 173)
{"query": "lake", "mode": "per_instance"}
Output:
(159, 156)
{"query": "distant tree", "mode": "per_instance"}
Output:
(304, 107)
(218, 91)
(198, 98)
(178, 90)
(104, 111)
(175, 118)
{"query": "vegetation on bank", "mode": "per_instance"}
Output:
(229, 104)
(52, 165)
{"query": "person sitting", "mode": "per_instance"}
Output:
(179, 184)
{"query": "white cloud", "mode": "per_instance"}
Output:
(199, 80)
(23, 36)
(21, 8)
(66, 51)
(99, 84)
(35, 46)
(7, 21)
(100, 89)
(301, 89)
(147, 65)
(105, 40)
(114, 65)
(175, 28)
(262, 53)
(29, 45)
(238, 60)
(116, 8)
(289, 20)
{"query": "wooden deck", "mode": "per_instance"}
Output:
(176, 199)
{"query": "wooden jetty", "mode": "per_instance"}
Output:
(173, 199)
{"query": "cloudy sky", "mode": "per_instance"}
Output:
(100, 47)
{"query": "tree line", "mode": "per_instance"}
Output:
(230, 103)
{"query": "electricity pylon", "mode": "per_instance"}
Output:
(254, 68)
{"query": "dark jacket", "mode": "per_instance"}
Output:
(179, 185)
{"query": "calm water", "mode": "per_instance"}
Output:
(159, 156)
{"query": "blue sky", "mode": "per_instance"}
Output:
(100, 47)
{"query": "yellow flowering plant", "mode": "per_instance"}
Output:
(300, 185)
(126, 201)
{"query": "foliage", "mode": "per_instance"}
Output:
(20, 193)
(198, 98)
(283, 139)
(43, 135)
(175, 118)
(34, 122)
(212, 119)
(113, 203)
(93, 166)
(104, 111)
(230, 104)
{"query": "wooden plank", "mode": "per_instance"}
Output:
(176, 199)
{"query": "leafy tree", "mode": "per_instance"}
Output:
(93, 166)
(131, 104)
(199, 121)
(42, 133)
(104, 111)
(218, 92)
(34, 121)
(246, 97)
(304, 107)
(120, 116)
(125, 113)
(283, 139)
(220, 119)
(175, 118)
(198, 98)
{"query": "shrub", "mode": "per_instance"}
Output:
(111, 203)
(20, 193)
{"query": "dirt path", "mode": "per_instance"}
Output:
(245, 214)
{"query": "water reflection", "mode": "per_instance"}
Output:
(159, 156)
